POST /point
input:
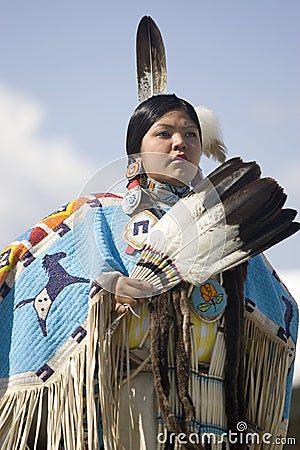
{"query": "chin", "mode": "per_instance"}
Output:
(176, 181)
(181, 177)
(177, 177)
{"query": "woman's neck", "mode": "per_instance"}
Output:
(165, 192)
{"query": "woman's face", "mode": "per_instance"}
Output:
(171, 149)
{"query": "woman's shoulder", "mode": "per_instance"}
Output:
(56, 225)
(57, 219)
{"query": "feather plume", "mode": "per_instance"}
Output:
(233, 215)
(212, 142)
(151, 60)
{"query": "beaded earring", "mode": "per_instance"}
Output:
(133, 196)
(133, 173)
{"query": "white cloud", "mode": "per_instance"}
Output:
(38, 173)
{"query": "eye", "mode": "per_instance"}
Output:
(164, 134)
(191, 134)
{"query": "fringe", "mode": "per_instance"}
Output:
(266, 368)
(206, 389)
(60, 400)
(266, 372)
(104, 354)
(108, 354)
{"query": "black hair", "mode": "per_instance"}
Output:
(149, 112)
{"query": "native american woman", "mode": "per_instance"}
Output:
(93, 357)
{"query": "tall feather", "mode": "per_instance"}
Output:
(150, 59)
(152, 80)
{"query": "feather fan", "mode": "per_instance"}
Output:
(233, 215)
(151, 60)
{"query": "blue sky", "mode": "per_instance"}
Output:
(68, 87)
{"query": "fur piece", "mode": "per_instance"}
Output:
(235, 349)
(159, 331)
(159, 334)
(212, 142)
(182, 350)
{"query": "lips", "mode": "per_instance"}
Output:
(180, 157)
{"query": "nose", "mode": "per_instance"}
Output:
(178, 142)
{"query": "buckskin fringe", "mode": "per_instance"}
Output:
(104, 354)
(108, 349)
(266, 371)
(60, 399)
(266, 368)
(206, 389)
(99, 342)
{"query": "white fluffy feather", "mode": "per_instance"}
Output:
(212, 142)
